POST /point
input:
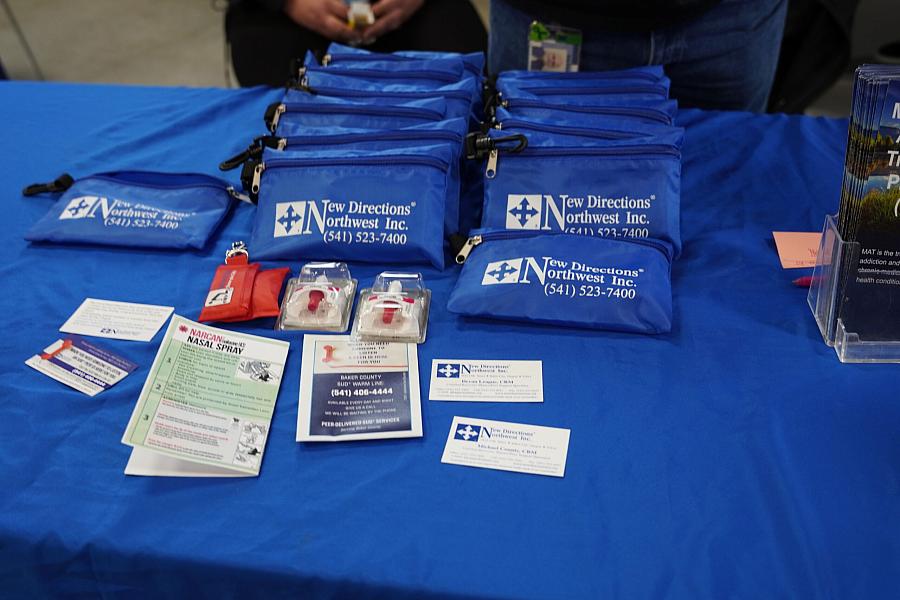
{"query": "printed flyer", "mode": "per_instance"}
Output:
(356, 390)
(206, 407)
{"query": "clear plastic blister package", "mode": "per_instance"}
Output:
(319, 299)
(394, 309)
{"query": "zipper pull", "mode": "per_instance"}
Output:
(273, 114)
(491, 170)
(257, 174)
(464, 252)
(250, 176)
(237, 195)
(278, 112)
(326, 60)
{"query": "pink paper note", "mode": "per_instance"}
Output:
(797, 249)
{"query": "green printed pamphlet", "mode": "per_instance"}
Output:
(206, 407)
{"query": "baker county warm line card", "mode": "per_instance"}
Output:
(356, 390)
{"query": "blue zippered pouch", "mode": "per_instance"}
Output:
(593, 131)
(458, 96)
(623, 85)
(644, 73)
(450, 132)
(292, 118)
(336, 54)
(646, 111)
(383, 207)
(612, 92)
(134, 209)
(439, 71)
(600, 129)
(565, 280)
(606, 188)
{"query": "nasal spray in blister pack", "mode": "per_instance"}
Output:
(319, 299)
(394, 309)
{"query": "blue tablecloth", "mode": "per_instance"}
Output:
(733, 457)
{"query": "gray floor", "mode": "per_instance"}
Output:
(181, 42)
(155, 42)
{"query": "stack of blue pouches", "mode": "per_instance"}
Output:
(602, 156)
(581, 213)
(364, 158)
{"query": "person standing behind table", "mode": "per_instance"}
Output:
(265, 35)
(719, 54)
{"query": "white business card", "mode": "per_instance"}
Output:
(117, 320)
(507, 446)
(486, 380)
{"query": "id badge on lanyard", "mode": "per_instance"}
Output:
(553, 48)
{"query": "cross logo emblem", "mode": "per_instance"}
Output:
(289, 217)
(448, 371)
(521, 212)
(502, 271)
(79, 208)
(469, 433)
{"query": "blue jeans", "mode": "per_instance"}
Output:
(724, 59)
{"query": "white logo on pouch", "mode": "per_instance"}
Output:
(523, 211)
(80, 207)
(549, 212)
(219, 297)
(515, 270)
(502, 271)
(533, 270)
(121, 213)
(365, 222)
(290, 218)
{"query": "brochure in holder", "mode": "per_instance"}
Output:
(837, 264)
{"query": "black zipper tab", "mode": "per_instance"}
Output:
(60, 184)
(273, 113)
(479, 145)
(253, 151)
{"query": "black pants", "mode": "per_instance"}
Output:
(264, 42)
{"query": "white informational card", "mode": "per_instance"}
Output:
(206, 407)
(117, 320)
(355, 390)
(507, 446)
(486, 380)
(81, 365)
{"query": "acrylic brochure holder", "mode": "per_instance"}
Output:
(825, 301)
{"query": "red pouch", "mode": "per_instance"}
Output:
(230, 296)
(266, 289)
